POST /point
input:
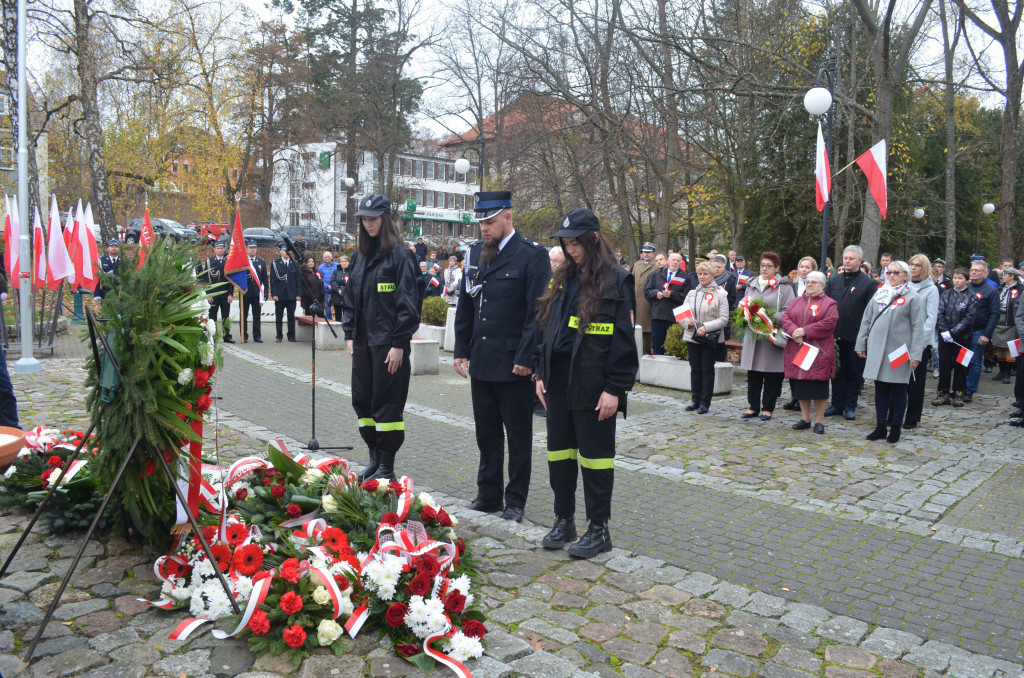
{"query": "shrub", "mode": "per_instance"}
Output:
(674, 344)
(435, 311)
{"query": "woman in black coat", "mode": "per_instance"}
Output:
(338, 281)
(312, 285)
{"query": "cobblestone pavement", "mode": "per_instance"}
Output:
(743, 552)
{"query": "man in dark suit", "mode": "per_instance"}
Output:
(285, 290)
(109, 263)
(255, 293)
(212, 274)
(495, 337)
(852, 290)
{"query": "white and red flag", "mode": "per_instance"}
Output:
(1014, 346)
(964, 356)
(873, 164)
(805, 356)
(83, 252)
(12, 235)
(38, 253)
(899, 356)
(822, 173)
(59, 261)
(682, 313)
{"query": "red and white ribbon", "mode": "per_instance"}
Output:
(460, 670)
(332, 588)
(185, 628)
(259, 593)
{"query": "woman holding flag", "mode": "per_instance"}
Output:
(891, 339)
(955, 326)
(810, 321)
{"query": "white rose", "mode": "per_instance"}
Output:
(328, 631)
(185, 376)
(321, 597)
(382, 487)
(427, 500)
(311, 476)
(328, 504)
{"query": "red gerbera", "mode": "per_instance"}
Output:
(259, 624)
(55, 461)
(295, 636)
(293, 510)
(222, 553)
(173, 566)
(291, 603)
(248, 559)
(210, 533)
(237, 533)
(277, 491)
(335, 539)
(241, 493)
(391, 518)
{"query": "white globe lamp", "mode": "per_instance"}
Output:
(817, 101)
(919, 213)
(462, 166)
(988, 208)
(350, 182)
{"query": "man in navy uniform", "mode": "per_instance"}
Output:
(495, 336)
(285, 290)
(109, 263)
(220, 287)
(255, 294)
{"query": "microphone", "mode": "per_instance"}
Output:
(291, 248)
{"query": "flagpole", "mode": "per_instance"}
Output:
(828, 153)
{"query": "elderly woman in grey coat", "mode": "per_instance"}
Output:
(922, 283)
(763, 360)
(892, 338)
(707, 313)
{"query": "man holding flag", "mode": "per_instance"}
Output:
(254, 293)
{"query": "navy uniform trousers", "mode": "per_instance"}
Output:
(379, 399)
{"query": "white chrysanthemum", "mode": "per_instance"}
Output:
(167, 587)
(461, 584)
(243, 587)
(197, 606)
(386, 591)
(204, 568)
(321, 597)
(185, 376)
(461, 647)
(382, 488)
(341, 567)
(311, 476)
(328, 504)
(328, 631)
(180, 593)
(219, 608)
(393, 566)
(426, 617)
(427, 500)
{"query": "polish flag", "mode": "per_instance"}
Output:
(873, 164)
(805, 356)
(682, 313)
(433, 281)
(38, 254)
(145, 238)
(822, 173)
(69, 227)
(964, 356)
(12, 234)
(1014, 347)
(83, 251)
(60, 264)
(899, 356)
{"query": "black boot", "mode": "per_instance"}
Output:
(371, 468)
(878, 433)
(791, 405)
(894, 435)
(563, 532)
(596, 540)
(386, 468)
(1001, 373)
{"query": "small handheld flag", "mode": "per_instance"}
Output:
(1014, 347)
(899, 356)
(681, 313)
(805, 356)
(964, 356)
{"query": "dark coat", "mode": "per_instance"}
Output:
(338, 282)
(956, 314)
(661, 309)
(495, 318)
(284, 280)
(252, 291)
(988, 308)
(312, 289)
(852, 294)
(382, 290)
(211, 272)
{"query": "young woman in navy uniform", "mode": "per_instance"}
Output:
(379, 317)
(586, 363)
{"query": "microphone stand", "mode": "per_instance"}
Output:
(313, 445)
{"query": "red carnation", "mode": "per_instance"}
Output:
(444, 518)
(461, 544)
(222, 554)
(150, 467)
(293, 510)
(203, 403)
(277, 491)
(261, 575)
(241, 493)
(211, 369)
(390, 518)
(428, 565)
(428, 514)
(396, 487)
(342, 581)
(55, 461)
(455, 602)
(290, 570)
(407, 649)
(371, 485)
(291, 603)
(45, 477)
(474, 629)
(248, 559)
(395, 614)
(294, 636)
(420, 585)
(259, 624)
(201, 377)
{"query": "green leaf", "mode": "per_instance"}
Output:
(423, 662)
(291, 468)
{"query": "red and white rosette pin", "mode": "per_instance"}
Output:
(709, 297)
(773, 283)
(814, 310)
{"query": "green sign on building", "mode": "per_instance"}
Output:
(325, 160)
(410, 205)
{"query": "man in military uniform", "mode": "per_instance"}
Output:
(109, 263)
(285, 290)
(220, 287)
(495, 336)
(641, 269)
(255, 293)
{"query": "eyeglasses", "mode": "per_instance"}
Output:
(898, 271)
(767, 264)
(814, 282)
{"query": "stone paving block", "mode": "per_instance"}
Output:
(684, 640)
(136, 653)
(890, 642)
(67, 664)
(117, 670)
(766, 605)
(850, 656)
(18, 615)
(11, 666)
(841, 629)
(753, 622)
(55, 646)
(804, 617)
(634, 671)
(666, 595)
(610, 615)
(6, 642)
(731, 663)
(484, 667)
(629, 562)
(598, 632)
(934, 655)
(582, 569)
(701, 607)
(280, 665)
(547, 630)
(234, 657)
(630, 650)
(591, 653)
(697, 584)
(672, 664)
(890, 668)
(538, 591)
(666, 574)
(845, 672)
(631, 583)
(774, 669)
(33, 564)
(106, 642)
(107, 574)
(600, 593)
(508, 581)
(731, 595)
(24, 581)
(517, 610)
(393, 667)
(568, 620)
(505, 647)
(561, 599)
(646, 632)
(96, 623)
(796, 658)
(543, 665)
(740, 640)
(74, 610)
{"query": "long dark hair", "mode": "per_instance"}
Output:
(389, 237)
(598, 265)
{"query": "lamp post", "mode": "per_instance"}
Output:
(462, 166)
(817, 101)
(28, 361)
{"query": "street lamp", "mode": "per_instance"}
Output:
(919, 213)
(818, 101)
(988, 208)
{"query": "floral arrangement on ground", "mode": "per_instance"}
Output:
(309, 554)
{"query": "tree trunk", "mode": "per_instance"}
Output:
(948, 48)
(1011, 115)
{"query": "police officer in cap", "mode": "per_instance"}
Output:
(255, 293)
(495, 337)
(585, 365)
(380, 312)
(109, 263)
(212, 273)
(285, 290)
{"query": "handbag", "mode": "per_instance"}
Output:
(709, 338)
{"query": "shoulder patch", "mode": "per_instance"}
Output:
(533, 242)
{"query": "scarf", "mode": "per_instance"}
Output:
(887, 293)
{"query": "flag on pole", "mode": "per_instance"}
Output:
(12, 233)
(74, 246)
(964, 356)
(82, 251)
(69, 227)
(805, 356)
(145, 238)
(899, 356)
(236, 266)
(59, 264)
(822, 173)
(873, 164)
(1014, 346)
(38, 253)
(682, 313)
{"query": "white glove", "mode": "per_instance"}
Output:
(947, 337)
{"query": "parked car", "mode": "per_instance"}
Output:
(264, 237)
(161, 228)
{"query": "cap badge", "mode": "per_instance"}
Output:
(565, 224)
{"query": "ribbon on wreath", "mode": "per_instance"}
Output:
(441, 657)
(191, 485)
(260, 590)
(760, 313)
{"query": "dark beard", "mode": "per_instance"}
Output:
(489, 250)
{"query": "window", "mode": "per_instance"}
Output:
(397, 171)
(428, 198)
(430, 170)
(174, 167)
(309, 185)
(471, 177)
(419, 196)
(410, 167)
(184, 167)
(293, 219)
(3, 105)
(234, 174)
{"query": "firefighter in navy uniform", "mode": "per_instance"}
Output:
(109, 263)
(379, 315)
(585, 364)
(212, 273)
(495, 337)
(255, 294)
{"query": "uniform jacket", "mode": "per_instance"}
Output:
(929, 294)
(109, 265)
(641, 269)
(211, 272)
(338, 282)
(852, 292)
(382, 290)
(284, 280)
(818, 316)
(661, 309)
(988, 308)
(956, 314)
(762, 355)
(604, 357)
(252, 292)
(713, 314)
(883, 331)
(495, 318)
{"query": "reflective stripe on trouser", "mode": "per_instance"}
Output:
(379, 399)
(578, 443)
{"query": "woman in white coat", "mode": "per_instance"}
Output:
(891, 339)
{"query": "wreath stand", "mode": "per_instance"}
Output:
(105, 378)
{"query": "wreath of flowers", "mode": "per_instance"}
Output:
(756, 319)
